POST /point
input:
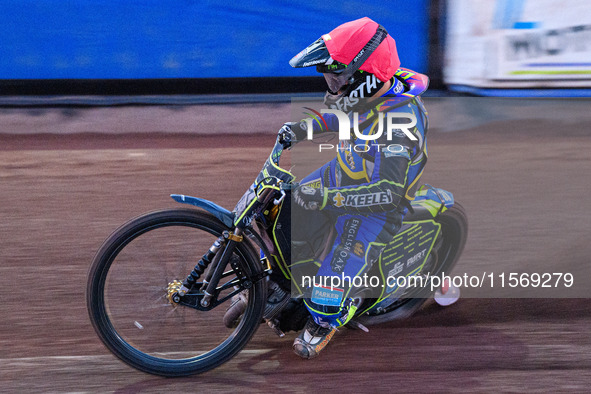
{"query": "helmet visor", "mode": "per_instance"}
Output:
(313, 54)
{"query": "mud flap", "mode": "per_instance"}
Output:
(219, 212)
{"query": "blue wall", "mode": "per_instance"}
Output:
(127, 39)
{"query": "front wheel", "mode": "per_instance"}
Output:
(127, 295)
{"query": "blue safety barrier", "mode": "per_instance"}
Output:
(151, 39)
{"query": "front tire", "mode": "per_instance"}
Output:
(126, 295)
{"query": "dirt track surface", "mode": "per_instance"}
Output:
(524, 186)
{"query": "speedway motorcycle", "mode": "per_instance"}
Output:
(162, 288)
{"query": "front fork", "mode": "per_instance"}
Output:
(211, 283)
(227, 243)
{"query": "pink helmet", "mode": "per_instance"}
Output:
(344, 54)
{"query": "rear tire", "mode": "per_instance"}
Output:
(454, 233)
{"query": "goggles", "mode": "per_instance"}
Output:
(335, 81)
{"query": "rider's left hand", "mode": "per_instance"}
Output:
(309, 197)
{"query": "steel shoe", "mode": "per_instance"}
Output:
(312, 339)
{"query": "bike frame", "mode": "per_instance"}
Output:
(269, 188)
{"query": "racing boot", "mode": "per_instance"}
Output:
(312, 339)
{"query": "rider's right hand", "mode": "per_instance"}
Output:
(290, 133)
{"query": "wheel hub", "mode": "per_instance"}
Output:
(172, 292)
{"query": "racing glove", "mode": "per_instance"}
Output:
(291, 133)
(309, 198)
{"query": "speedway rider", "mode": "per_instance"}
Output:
(365, 192)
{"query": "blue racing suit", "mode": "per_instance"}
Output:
(367, 187)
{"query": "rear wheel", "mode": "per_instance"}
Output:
(127, 295)
(444, 256)
(454, 233)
